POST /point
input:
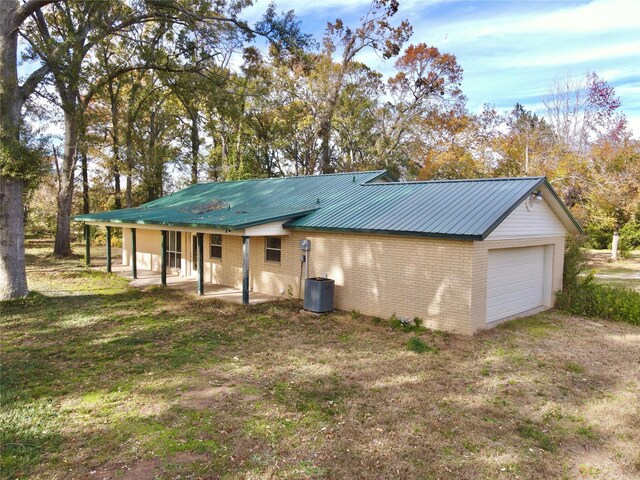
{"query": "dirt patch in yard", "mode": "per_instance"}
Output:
(146, 469)
(543, 397)
(214, 396)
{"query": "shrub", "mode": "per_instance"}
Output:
(575, 261)
(417, 345)
(99, 237)
(585, 297)
(599, 237)
(591, 299)
(629, 238)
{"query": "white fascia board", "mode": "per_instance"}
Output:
(271, 229)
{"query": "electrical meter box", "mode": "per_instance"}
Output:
(305, 245)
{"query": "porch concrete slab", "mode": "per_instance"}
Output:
(147, 278)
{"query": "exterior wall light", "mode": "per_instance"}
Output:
(535, 197)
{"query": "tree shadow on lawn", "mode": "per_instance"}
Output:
(57, 345)
(470, 411)
(60, 347)
(504, 404)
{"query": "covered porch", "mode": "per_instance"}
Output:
(183, 258)
(148, 278)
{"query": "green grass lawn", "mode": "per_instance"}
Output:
(103, 381)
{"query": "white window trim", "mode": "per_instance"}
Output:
(172, 250)
(267, 248)
(211, 244)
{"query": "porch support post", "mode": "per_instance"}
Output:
(200, 264)
(108, 249)
(245, 270)
(163, 258)
(134, 256)
(87, 245)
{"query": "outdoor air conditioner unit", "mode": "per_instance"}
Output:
(318, 294)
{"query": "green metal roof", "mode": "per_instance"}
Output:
(241, 204)
(464, 209)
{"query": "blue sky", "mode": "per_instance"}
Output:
(510, 50)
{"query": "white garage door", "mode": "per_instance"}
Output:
(515, 281)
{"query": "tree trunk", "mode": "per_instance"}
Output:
(13, 278)
(128, 140)
(154, 190)
(325, 147)
(66, 183)
(327, 120)
(195, 149)
(85, 183)
(117, 191)
(614, 245)
(115, 140)
(129, 166)
(128, 197)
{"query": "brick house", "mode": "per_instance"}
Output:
(463, 255)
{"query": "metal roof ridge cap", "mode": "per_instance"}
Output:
(290, 177)
(460, 180)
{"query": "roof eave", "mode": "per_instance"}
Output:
(166, 224)
(217, 226)
(402, 233)
(515, 204)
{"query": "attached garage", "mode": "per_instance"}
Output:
(517, 281)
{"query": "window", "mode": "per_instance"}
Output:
(215, 246)
(273, 249)
(174, 249)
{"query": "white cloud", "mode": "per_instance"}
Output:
(508, 54)
(593, 18)
(572, 54)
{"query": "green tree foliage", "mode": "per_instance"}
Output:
(24, 156)
(177, 94)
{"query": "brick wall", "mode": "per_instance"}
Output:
(379, 275)
(443, 282)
